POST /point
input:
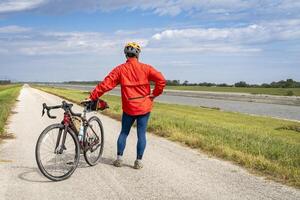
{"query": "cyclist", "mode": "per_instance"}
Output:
(137, 98)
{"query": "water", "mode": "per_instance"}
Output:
(264, 109)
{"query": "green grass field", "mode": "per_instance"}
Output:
(270, 91)
(8, 95)
(266, 146)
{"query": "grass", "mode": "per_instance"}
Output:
(8, 95)
(263, 145)
(267, 91)
(270, 91)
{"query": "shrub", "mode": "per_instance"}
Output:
(290, 93)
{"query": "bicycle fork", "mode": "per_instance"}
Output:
(60, 144)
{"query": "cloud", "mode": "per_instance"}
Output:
(7, 6)
(14, 29)
(246, 39)
(26, 41)
(204, 48)
(209, 10)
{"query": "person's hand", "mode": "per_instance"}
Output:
(89, 104)
(87, 100)
(151, 96)
(102, 105)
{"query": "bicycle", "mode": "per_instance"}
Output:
(59, 146)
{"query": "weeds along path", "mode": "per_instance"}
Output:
(171, 171)
(8, 95)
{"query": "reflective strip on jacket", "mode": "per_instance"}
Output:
(134, 78)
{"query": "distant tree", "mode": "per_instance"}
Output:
(222, 85)
(4, 82)
(290, 83)
(265, 85)
(207, 84)
(185, 82)
(241, 84)
(176, 82)
(173, 82)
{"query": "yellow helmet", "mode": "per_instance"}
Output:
(132, 48)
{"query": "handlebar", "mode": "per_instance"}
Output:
(65, 106)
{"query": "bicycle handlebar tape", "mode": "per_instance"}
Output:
(93, 105)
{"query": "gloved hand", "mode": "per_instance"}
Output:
(151, 96)
(102, 105)
(95, 105)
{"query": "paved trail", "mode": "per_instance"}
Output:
(171, 171)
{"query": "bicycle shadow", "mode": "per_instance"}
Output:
(32, 175)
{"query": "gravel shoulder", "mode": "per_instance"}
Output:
(171, 171)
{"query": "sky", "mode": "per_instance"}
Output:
(222, 41)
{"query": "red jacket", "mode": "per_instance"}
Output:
(134, 78)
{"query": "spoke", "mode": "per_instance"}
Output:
(53, 138)
(48, 147)
(45, 159)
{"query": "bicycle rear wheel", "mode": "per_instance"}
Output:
(94, 141)
(55, 160)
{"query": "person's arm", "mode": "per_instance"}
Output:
(110, 82)
(159, 81)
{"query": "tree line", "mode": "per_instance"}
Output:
(4, 82)
(288, 83)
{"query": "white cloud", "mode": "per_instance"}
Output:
(206, 48)
(19, 5)
(227, 39)
(25, 41)
(162, 7)
(13, 29)
(211, 10)
(250, 39)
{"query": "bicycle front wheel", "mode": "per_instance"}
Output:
(57, 152)
(94, 141)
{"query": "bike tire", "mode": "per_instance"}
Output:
(38, 149)
(88, 159)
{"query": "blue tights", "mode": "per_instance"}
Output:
(127, 121)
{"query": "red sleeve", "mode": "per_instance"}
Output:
(110, 82)
(159, 81)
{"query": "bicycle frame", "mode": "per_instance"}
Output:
(67, 122)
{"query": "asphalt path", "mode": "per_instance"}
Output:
(171, 170)
(263, 105)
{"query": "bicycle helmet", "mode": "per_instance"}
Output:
(133, 49)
